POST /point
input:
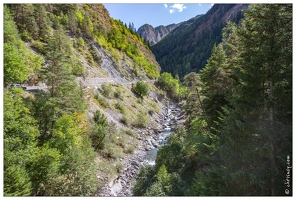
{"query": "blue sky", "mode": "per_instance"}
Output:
(155, 14)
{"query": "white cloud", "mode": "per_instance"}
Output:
(178, 6)
(165, 5)
(171, 11)
(199, 4)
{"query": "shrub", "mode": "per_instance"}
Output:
(141, 88)
(130, 132)
(26, 36)
(169, 84)
(151, 112)
(118, 93)
(97, 132)
(124, 120)
(39, 46)
(102, 101)
(77, 68)
(118, 166)
(107, 90)
(106, 171)
(113, 151)
(141, 121)
(119, 106)
(129, 150)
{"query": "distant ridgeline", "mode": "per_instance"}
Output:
(187, 48)
(153, 35)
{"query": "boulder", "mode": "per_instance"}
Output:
(116, 188)
(133, 162)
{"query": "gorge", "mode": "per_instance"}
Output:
(91, 109)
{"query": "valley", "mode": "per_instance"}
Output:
(93, 107)
(145, 154)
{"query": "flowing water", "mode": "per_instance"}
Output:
(162, 137)
(122, 185)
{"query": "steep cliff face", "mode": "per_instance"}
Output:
(154, 35)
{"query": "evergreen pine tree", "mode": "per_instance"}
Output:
(255, 130)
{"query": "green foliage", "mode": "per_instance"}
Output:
(130, 132)
(16, 181)
(118, 93)
(39, 47)
(77, 68)
(80, 44)
(43, 22)
(171, 155)
(42, 168)
(187, 50)
(64, 91)
(124, 120)
(18, 122)
(141, 121)
(77, 171)
(19, 61)
(215, 85)
(100, 118)
(118, 37)
(25, 21)
(102, 101)
(53, 153)
(236, 138)
(141, 88)
(20, 134)
(14, 68)
(107, 90)
(238, 131)
(118, 166)
(144, 180)
(65, 134)
(113, 151)
(163, 177)
(155, 190)
(169, 84)
(151, 112)
(255, 111)
(97, 132)
(129, 149)
(80, 171)
(119, 106)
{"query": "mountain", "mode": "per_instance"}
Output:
(154, 35)
(188, 46)
(79, 100)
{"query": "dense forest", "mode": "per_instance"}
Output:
(187, 48)
(238, 136)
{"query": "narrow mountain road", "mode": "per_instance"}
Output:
(86, 81)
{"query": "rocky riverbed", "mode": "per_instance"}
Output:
(149, 142)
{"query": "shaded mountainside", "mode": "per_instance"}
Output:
(187, 48)
(154, 35)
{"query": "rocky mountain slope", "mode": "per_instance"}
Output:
(154, 35)
(102, 59)
(187, 47)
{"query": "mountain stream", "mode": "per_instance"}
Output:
(145, 154)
